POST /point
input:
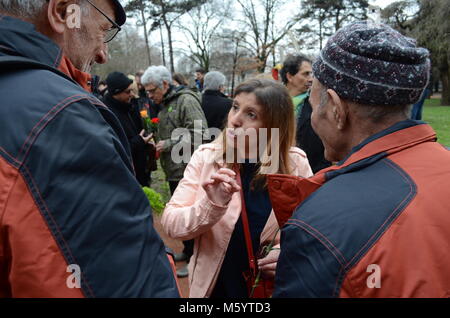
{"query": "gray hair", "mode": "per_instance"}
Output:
(29, 9)
(213, 81)
(156, 75)
(22, 8)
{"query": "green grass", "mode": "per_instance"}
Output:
(159, 183)
(439, 118)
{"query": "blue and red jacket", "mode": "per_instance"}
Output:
(375, 225)
(68, 197)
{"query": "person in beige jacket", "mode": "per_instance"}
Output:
(206, 205)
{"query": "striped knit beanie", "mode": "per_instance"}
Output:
(371, 63)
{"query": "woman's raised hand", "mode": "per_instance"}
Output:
(221, 186)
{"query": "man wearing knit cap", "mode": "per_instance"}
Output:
(118, 99)
(375, 224)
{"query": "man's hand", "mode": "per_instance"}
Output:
(221, 186)
(268, 264)
(146, 139)
(160, 146)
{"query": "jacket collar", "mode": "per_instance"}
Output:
(214, 93)
(20, 38)
(121, 106)
(402, 135)
(172, 93)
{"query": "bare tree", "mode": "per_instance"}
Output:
(200, 28)
(400, 15)
(140, 9)
(124, 57)
(263, 35)
(167, 12)
(324, 17)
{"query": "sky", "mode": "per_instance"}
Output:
(381, 3)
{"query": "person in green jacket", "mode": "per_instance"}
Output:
(296, 74)
(182, 128)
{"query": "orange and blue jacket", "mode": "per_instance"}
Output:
(375, 225)
(74, 222)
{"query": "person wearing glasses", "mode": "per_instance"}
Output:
(74, 222)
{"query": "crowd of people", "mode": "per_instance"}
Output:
(318, 185)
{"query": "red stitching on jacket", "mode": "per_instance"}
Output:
(10, 156)
(314, 229)
(337, 281)
(388, 218)
(300, 226)
(44, 125)
(54, 222)
(42, 118)
(57, 58)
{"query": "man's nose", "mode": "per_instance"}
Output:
(102, 56)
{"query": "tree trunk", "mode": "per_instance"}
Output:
(162, 45)
(320, 33)
(235, 60)
(444, 69)
(169, 34)
(169, 38)
(144, 21)
(445, 78)
(262, 59)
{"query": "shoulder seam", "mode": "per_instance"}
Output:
(389, 219)
(330, 246)
(316, 234)
(43, 122)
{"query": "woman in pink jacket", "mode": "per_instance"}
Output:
(206, 205)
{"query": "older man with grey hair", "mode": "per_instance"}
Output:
(180, 108)
(215, 103)
(74, 222)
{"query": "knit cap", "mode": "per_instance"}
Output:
(371, 63)
(117, 82)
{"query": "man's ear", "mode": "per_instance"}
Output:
(339, 108)
(289, 77)
(165, 85)
(57, 14)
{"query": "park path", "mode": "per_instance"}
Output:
(177, 247)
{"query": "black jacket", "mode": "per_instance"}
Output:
(143, 102)
(131, 122)
(308, 141)
(216, 107)
(65, 168)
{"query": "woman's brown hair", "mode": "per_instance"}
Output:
(278, 112)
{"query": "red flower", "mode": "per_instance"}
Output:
(155, 120)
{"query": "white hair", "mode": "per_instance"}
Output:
(24, 8)
(29, 9)
(156, 75)
(213, 81)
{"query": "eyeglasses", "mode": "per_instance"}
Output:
(152, 91)
(111, 32)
